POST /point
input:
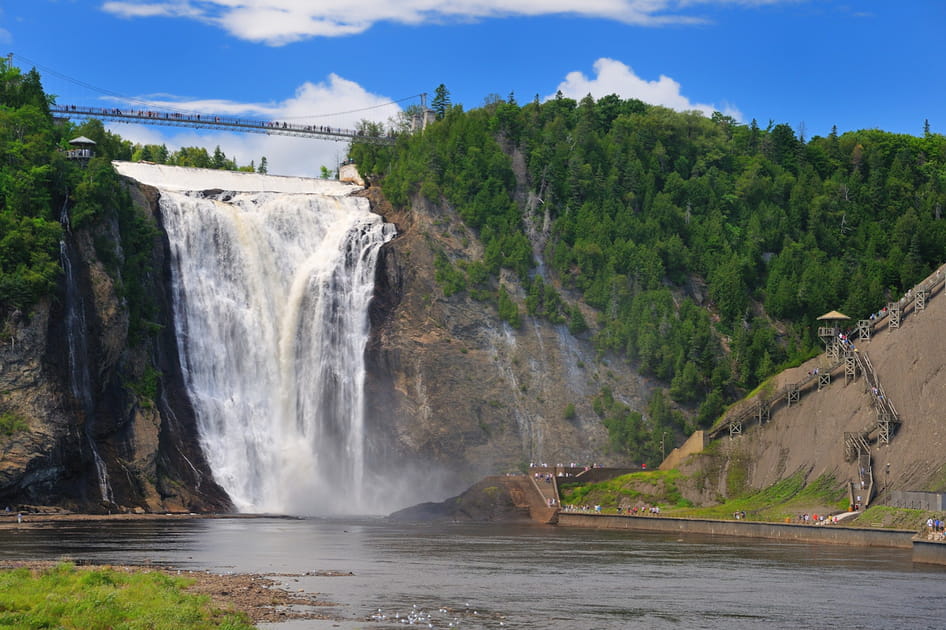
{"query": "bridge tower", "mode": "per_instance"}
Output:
(424, 117)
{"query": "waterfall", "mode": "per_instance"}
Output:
(271, 294)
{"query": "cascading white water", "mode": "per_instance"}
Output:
(271, 294)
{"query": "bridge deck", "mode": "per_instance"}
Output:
(221, 123)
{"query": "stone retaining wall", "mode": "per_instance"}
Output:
(900, 539)
(929, 552)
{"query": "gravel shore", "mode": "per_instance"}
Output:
(265, 598)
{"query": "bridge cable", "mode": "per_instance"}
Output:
(164, 105)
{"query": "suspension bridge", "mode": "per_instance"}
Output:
(145, 114)
(221, 123)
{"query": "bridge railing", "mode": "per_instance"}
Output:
(227, 123)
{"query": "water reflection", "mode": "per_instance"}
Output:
(482, 576)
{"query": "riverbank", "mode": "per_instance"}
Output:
(14, 520)
(923, 550)
(262, 598)
(863, 537)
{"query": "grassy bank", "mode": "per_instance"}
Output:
(783, 500)
(640, 488)
(66, 596)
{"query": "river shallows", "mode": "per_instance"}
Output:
(503, 576)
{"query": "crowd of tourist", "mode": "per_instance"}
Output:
(217, 120)
(635, 510)
(935, 529)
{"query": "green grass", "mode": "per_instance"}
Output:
(892, 518)
(65, 596)
(658, 487)
(782, 500)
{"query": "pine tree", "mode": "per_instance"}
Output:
(441, 102)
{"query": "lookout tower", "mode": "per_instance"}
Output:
(83, 149)
(829, 331)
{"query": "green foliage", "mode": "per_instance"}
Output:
(570, 413)
(451, 279)
(35, 178)
(195, 157)
(146, 387)
(31, 175)
(636, 435)
(108, 146)
(98, 192)
(576, 321)
(459, 161)
(508, 309)
(544, 301)
(12, 423)
(441, 102)
(158, 153)
(68, 597)
(658, 487)
(95, 190)
(783, 499)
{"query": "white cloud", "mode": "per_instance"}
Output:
(614, 77)
(181, 8)
(336, 102)
(5, 36)
(279, 22)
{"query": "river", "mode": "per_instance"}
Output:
(524, 576)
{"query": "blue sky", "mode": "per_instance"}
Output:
(807, 63)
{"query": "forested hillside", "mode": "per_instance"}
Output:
(706, 246)
(698, 249)
(37, 182)
(30, 170)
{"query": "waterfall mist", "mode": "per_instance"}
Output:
(271, 294)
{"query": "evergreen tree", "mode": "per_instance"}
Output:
(441, 102)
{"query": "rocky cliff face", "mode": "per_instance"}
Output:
(456, 390)
(450, 388)
(95, 420)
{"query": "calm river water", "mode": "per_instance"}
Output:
(503, 576)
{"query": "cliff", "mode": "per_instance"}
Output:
(95, 419)
(101, 419)
(453, 389)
